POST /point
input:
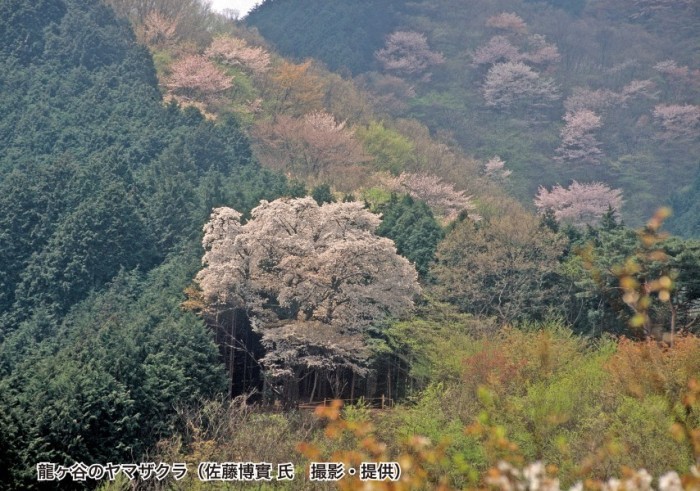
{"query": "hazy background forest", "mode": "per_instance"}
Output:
(483, 214)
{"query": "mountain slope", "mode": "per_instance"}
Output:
(104, 190)
(516, 75)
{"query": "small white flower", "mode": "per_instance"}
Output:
(643, 479)
(612, 485)
(577, 487)
(534, 473)
(670, 482)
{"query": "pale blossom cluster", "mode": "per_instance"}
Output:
(406, 53)
(583, 98)
(512, 83)
(671, 68)
(540, 52)
(236, 52)
(313, 346)
(495, 168)
(683, 83)
(157, 30)
(583, 118)
(508, 21)
(639, 88)
(639, 481)
(441, 197)
(578, 141)
(678, 121)
(499, 49)
(323, 122)
(194, 76)
(579, 204)
(315, 145)
(533, 477)
(647, 8)
(510, 79)
(604, 100)
(534, 49)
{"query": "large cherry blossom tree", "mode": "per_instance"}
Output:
(312, 280)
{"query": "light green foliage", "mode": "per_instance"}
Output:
(392, 151)
(161, 61)
(220, 430)
(376, 197)
(553, 410)
(553, 394)
(436, 342)
(428, 418)
(641, 428)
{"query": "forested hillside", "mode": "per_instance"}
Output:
(104, 190)
(426, 210)
(587, 90)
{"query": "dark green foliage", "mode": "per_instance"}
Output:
(32, 203)
(22, 24)
(609, 221)
(414, 230)
(103, 192)
(595, 303)
(686, 210)
(88, 88)
(306, 28)
(549, 221)
(96, 175)
(322, 194)
(596, 306)
(90, 245)
(105, 385)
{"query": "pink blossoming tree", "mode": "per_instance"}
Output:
(579, 204)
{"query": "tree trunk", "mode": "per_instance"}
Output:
(388, 381)
(673, 324)
(232, 355)
(352, 389)
(313, 389)
(291, 391)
